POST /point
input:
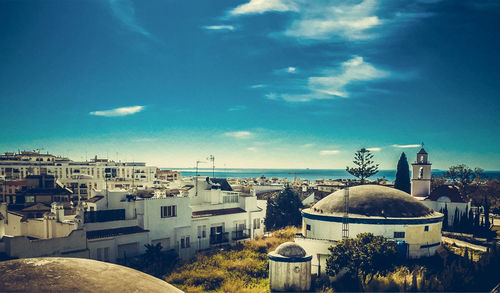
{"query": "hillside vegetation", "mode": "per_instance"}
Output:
(243, 268)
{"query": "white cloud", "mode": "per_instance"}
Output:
(239, 134)
(252, 149)
(355, 69)
(307, 145)
(220, 27)
(374, 149)
(333, 81)
(257, 86)
(405, 146)
(237, 108)
(328, 152)
(124, 11)
(123, 111)
(291, 69)
(262, 6)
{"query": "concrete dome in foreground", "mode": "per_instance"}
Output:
(59, 274)
(373, 201)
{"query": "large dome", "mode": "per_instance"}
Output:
(373, 201)
(59, 274)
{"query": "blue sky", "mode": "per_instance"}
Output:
(276, 83)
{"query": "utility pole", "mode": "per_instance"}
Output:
(211, 158)
(196, 177)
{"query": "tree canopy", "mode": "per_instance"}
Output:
(463, 175)
(403, 175)
(365, 167)
(365, 254)
(284, 210)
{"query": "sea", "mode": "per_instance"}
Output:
(310, 174)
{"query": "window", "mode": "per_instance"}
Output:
(230, 198)
(308, 228)
(256, 223)
(185, 243)
(202, 231)
(426, 228)
(168, 211)
(399, 234)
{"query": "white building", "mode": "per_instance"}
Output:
(376, 209)
(444, 197)
(118, 225)
(101, 172)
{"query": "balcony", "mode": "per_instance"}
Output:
(241, 234)
(219, 238)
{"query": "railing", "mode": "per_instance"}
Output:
(241, 234)
(104, 216)
(219, 238)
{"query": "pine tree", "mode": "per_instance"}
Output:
(456, 219)
(403, 175)
(365, 166)
(445, 218)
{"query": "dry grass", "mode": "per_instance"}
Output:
(241, 269)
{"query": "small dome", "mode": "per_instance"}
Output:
(290, 249)
(374, 201)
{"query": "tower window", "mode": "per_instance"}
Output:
(421, 173)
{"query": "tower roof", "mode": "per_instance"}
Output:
(422, 151)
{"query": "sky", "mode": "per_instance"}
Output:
(257, 84)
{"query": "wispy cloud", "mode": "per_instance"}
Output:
(252, 149)
(307, 145)
(324, 20)
(374, 149)
(350, 21)
(262, 6)
(287, 70)
(124, 11)
(329, 152)
(239, 134)
(237, 108)
(405, 146)
(123, 111)
(219, 27)
(332, 82)
(257, 86)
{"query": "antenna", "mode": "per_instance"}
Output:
(196, 177)
(345, 219)
(211, 158)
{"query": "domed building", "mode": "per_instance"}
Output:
(59, 274)
(376, 209)
(289, 268)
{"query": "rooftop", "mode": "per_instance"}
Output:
(373, 201)
(211, 213)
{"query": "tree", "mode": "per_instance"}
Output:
(284, 210)
(360, 256)
(365, 166)
(403, 175)
(445, 218)
(463, 175)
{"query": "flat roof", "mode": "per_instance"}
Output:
(219, 212)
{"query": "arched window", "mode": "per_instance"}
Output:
(421, 173)
(421, 158)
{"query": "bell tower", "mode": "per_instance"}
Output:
(421, 175)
